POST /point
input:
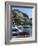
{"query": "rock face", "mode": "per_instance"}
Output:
(20, 17)
(18, 13)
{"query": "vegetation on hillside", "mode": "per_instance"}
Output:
(18, 21)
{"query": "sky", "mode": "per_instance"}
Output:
(28, 11)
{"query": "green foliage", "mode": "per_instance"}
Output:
(25, 22)
(30, 22)
(17, 21)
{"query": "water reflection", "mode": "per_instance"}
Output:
(20, 31)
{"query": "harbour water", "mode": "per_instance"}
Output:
(17, 32)
(28, 29)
